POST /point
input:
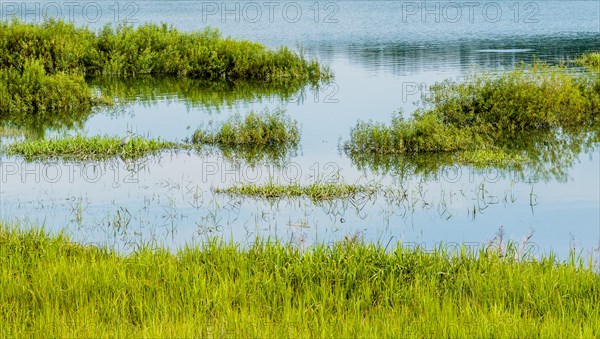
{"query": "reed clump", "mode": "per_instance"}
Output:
(43, 66)
(589, 59)
(149, 49)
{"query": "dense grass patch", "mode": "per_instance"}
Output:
(315, 192)
(480, 119)
(32, 90)
(52, 287)
(266, 135)
(255, 129)
(149, 49)
(43, 66)
(589, 59)
(84, 148)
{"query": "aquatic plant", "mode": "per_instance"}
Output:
(255, 129)
(54, 287)
(32, 91)
(479, 119)
(87, 148)
(315, 191)
(149, 49)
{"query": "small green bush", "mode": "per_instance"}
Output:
(255, 129)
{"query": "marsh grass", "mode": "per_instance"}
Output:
(589, 59)
(32, 90)
(315, 192)
(53, 287)
(43, 66)
(149, 49)
(87, 148)
(270, 133)
(480, 119)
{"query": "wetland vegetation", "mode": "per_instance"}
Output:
(44, 67)
(265, 135)
(589, 59)
(82, 148)
(53, 286)
(501, 119)
(316, 192)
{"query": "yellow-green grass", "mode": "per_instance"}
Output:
(53, 287)
(315, 192)
(589, 59)
(30, 89)
(83, 148)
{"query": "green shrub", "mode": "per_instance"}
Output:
(255, 129)
(32, 90)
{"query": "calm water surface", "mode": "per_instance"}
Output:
(384, 55)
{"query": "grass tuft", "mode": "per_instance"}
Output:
(83, 148)
(316, 192)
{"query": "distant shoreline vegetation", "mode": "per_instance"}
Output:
(43, 67)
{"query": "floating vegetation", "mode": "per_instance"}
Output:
(345, 289)
(315, 192)
(478, 121)
(589, 59)
(83, 148)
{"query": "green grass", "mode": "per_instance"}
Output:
(255, 129)
(53, 287)
(589, 59)
(479, 119)
(43, 66)
(32, 90)
(149, 49)
(315, 192)
(87, 148)
(254, 138)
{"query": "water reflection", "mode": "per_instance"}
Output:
(211, 95)
(547, 156)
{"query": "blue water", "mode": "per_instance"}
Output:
(385, 54)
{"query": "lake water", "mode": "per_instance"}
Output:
(385, 54)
